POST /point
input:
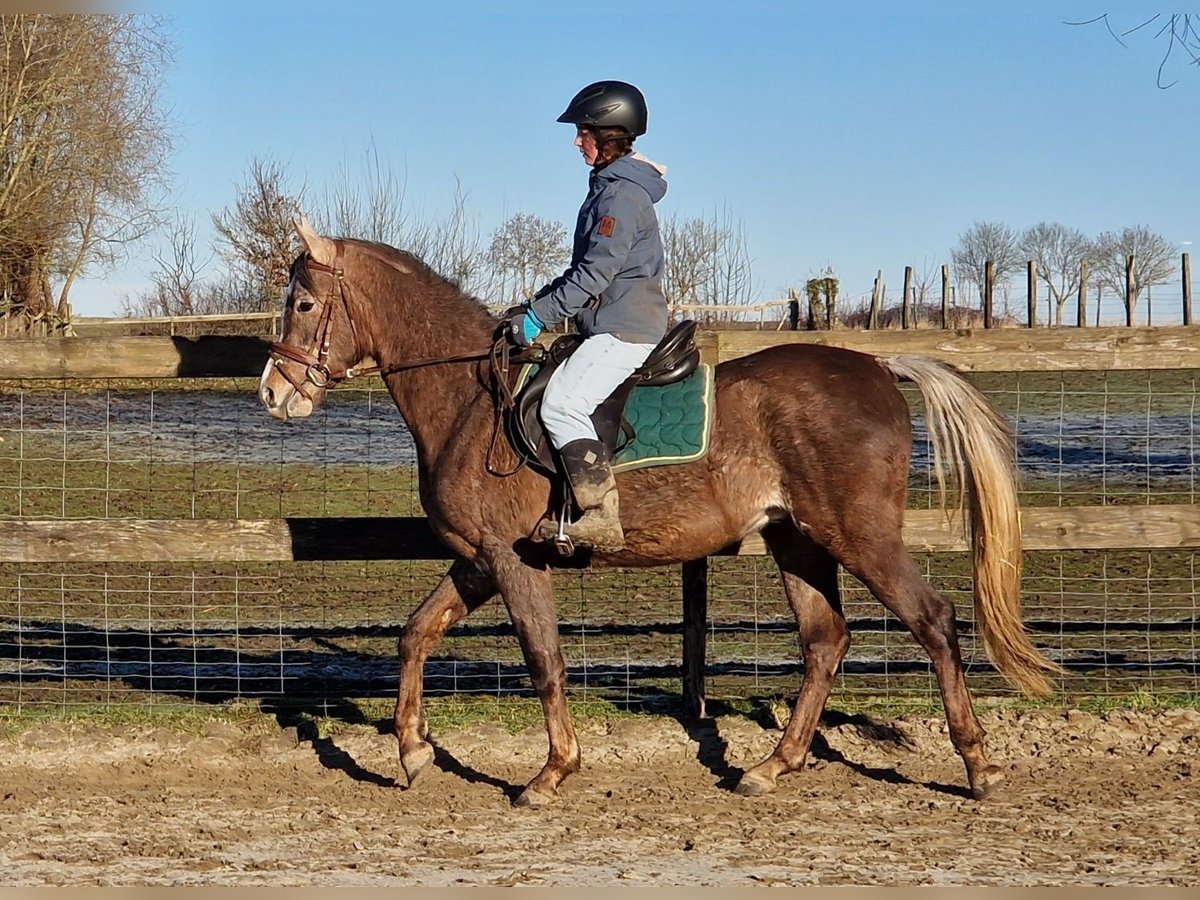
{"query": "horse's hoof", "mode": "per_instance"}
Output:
(753, 785)
(986, 783)
(416, 763)
(531, 799)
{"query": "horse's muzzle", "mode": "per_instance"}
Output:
(280, 397)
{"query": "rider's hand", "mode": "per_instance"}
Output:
(524, 327)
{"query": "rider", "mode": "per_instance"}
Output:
(613, 291)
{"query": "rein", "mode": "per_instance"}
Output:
(318, 373)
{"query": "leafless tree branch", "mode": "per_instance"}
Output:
(1178, 31)
(82, 146)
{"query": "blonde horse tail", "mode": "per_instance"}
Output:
(973, 456)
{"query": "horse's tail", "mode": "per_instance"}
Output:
(973, 447)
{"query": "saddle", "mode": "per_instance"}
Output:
(673, 360)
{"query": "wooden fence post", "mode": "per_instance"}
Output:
(1031, 292)
(906, 306)
(1081, 311)
(695, 624)
(947, 315)
(1187, 290)
(989, 276)
(1129, 290)
(876, 301)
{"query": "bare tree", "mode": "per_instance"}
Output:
(1177, 32)
(82, 145)
(981, 243)
(707, 262)
(451, 246)
(179, 289)
(1057, 251)
(524, 253)
(371, 204)
(367, 204)
(259, 237)
(1153, 258)
(731, 282)
(690, 248)
(925, 278)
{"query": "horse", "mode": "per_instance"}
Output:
(810, 446)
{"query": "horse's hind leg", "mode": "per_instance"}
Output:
(890, 573)
(461, 591)
(810, 582)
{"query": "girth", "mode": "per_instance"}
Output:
(675, 357)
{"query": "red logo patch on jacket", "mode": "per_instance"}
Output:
(605, 226)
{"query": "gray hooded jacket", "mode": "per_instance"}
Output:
(614, 283)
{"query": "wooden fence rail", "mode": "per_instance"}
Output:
(1160, 527)
(406, 538)
(1003, 350)
(973, 350)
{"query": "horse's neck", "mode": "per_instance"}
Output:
(432, 398)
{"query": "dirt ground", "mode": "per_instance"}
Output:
(1090, 800)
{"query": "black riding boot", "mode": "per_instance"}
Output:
(595, 489)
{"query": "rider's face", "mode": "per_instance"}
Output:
(585, 140)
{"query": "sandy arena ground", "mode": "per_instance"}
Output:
(1090, 800)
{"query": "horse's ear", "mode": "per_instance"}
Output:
(319, 248)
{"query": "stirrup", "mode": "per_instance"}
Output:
(562, 541)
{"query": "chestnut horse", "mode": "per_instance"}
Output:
(810, 446)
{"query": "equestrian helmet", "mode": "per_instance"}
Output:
(608, 104)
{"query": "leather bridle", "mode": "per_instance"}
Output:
(315, 359)
(319, 375)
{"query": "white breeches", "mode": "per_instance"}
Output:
(588, 377)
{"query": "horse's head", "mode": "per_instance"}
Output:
(318, 344)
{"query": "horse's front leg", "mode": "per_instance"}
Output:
(460, 592)
(529, 596)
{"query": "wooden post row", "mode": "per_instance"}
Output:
(906, 307)
(876, 301)
(1129, 289)
(989, 278)
(1081, 304)
(1031, 291)
(1186, 267)
(947, 314)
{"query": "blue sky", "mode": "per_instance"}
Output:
(860, 142)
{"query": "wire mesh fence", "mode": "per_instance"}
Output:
(74, 635)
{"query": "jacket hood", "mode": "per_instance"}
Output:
(646, 174)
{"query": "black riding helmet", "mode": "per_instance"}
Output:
(608, 104)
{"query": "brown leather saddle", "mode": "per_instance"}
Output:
(674, 359)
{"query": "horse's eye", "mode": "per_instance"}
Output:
(305, 305)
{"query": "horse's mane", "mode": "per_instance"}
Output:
(413, 266)
(403, 261)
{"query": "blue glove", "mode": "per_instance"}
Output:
(524, 327)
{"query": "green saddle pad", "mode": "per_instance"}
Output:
(671, 422)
